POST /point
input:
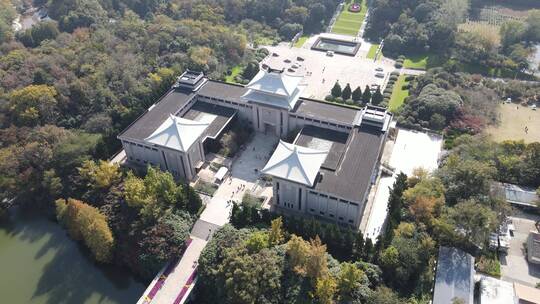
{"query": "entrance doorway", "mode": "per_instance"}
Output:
(269, 129)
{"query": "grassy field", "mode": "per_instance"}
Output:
(422, 61)
(372, 51)
(301, 41)
(235, 71)
(349, 23)
(513, 120)
(398, 94)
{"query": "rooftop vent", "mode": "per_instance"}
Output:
(190, 81)
(373, 116)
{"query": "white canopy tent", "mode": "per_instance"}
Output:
(221, 173)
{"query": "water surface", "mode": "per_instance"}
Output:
(40, 264)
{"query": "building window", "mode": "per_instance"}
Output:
(331, 215)
(341, 218)
(354, 204)
(321, 212)
(277, 193)
(311, 209)
(351, 221)
(299, 199)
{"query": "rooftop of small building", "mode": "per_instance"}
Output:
(348, 170)
(455, 276)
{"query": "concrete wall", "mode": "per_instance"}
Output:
(181, 165)
(292, 198)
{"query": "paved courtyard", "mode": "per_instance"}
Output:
(514, 265)
(322, 71)
(245, 171)
(410, 150)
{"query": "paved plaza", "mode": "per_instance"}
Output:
(244, 174)
(323, 71)
(410, 150)
(514, 265)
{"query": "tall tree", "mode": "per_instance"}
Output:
(357, 94)
(366, 96)
(336, 90)
(377, 97)
(346, 94)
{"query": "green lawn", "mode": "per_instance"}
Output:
(372, 51)
(235, 71)
(422, 61)
(301, 41)
(398, 94)
(349, 23)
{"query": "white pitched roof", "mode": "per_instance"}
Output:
(275, 83)
(177, 133)
(275, 88)
(295, 163)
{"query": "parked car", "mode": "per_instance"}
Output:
(379, 75)
(330, 53)
(379, 69)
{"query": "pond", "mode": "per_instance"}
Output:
(39, 264)
(337, 46)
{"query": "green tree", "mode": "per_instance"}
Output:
(350, 278)
(325, 290)
(101, 174)
(276, 232)
(257, 241)
(366, 96)
(135, 191)
(377, 97)
(346, 94)
(336, 90)
(298, 251)
(358, 251)
(33, 104)
(473, 219)
(512, 32)
(464, 179)
(384, 295)
(357, 94)
(317, 264)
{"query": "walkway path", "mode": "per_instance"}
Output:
(245, 171)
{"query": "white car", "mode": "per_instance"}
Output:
(379, 75)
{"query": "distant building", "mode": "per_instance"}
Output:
(455, 277)
(515, 194)
(526, 295)
(327, 171)
(533, 247)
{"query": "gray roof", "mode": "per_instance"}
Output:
(222, 90)
(223, 116)
(352, 175)
(150, 120)
(322, 110)
(455, 276)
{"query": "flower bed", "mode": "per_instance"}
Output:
(355, 8)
